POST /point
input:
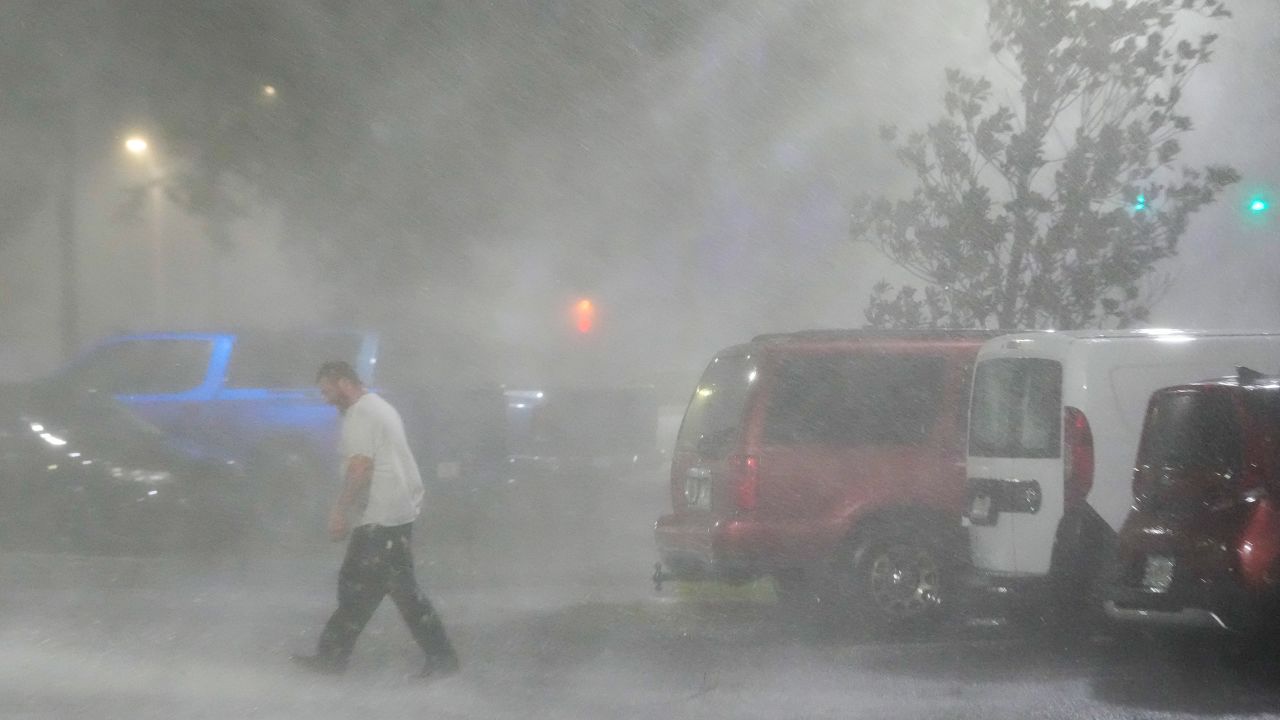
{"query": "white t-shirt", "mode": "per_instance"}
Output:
(371, 427)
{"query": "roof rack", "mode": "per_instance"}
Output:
(872, 333)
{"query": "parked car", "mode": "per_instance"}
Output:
(832, 461)
(79, 471)
(1201, 544)
(1053, 430)
(581, 430)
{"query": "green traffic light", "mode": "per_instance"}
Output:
(1258, 205)
(1140, 203)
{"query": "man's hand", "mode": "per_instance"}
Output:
(355, 487)
(338, 526)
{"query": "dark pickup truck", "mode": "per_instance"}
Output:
(250, 395)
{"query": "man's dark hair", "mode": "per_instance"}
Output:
(338, 370)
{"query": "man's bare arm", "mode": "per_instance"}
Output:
(355, 486)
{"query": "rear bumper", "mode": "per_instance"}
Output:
(1202, 589)
(1194, 618)
(699, 545)
(1213, 603)
(694, 547)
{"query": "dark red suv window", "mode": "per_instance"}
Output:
(852, 400)
(1192, 430)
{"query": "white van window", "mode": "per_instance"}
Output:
(1017, 409)
(714, 416)
(855, 400)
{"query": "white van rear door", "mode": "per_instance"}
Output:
(1015, 464)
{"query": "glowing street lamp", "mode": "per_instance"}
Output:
(136, 145)
(269, 91)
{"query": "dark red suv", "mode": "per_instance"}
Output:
(832, 461)
(1201, 546)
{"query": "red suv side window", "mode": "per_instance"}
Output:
(854, 400)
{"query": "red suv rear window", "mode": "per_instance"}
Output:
(715, 413)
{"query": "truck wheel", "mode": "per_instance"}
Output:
(896, 580)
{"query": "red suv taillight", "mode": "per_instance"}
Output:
(1077, 452)
(744, 480)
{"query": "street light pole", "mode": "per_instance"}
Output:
(140, 148)
(69, 310)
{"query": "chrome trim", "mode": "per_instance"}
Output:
(1187, 617)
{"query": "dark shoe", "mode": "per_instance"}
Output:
(320, 664)
(439, 666)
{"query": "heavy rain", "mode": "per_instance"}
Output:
(755, 359)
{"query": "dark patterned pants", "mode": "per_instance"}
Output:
(378, 563)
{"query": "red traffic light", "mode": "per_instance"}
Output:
(584, 316)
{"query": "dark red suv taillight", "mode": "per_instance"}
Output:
(744, 480)
(1077, 452)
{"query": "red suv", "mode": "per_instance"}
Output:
(832, 461)
(1201, 545)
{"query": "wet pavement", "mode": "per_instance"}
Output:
(545, 590)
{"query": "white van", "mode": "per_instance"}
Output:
(1054, 424)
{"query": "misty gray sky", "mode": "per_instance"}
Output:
(695, 183)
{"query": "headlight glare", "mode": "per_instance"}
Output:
(149, 477)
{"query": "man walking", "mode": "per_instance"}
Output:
(383, 490)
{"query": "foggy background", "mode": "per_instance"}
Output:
(460, 173)
(456, 175)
